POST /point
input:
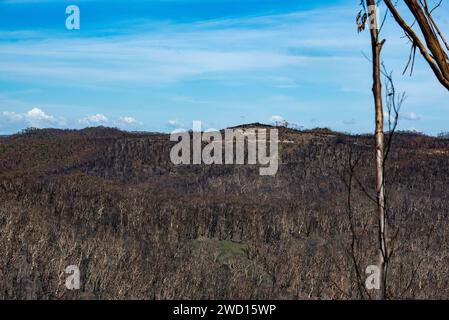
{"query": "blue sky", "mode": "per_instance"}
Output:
(157, 65)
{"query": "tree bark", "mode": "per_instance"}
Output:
(379, 145)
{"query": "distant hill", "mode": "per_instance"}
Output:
(138, 226)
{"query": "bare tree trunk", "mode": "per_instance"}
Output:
(379, 138)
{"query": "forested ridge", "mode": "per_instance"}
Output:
(140, 227)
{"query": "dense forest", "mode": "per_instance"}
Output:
(139, 227)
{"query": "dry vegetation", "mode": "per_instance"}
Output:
(140, 228)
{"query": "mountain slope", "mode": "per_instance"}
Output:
(112, 203)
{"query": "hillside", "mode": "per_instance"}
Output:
(112, 203)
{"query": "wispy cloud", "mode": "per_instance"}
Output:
(179, 52)
(410, 116)
(304, 64)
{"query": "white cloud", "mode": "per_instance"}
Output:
(12, 116)
(129, 121)
(179, 130)
(175, 124)
(276, 119)
(407, 116)
(37, 114)
(246, 50)
(34, 117)
(100, 119)
(96, 119)
(410, 116)
(389, 117)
